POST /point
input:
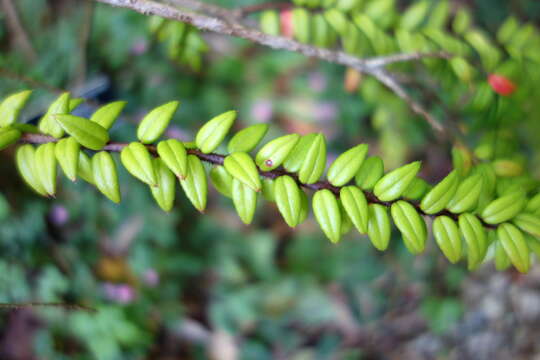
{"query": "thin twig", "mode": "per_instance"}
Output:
(70, 307)
(250, 9)
(20, 36)
(84, 36)
(30, 82)
(217, 159)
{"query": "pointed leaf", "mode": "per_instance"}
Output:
(392, 185)
(355, 204)
(304, 207)
(272, 154)
(48, 124)
(137, 160)
(370, 173)
(86, 132)
(241, 166)
(8, 136)
(165, 192)
(467, 194)
(447, 235)
(515, 246)
(45, 167)
(174, 155)
(245, 201)
(475, 237)
(295, 158)
(11, 106)
(379, 229)
(85, 170)
(155, 122)
(287, 197)
(107, 114)
(247, 139)
(26, 164)
(441, 194)
(411, 225)
(214, 131)
(315, 161)
(222, 180)
(105, 176)
(529, 223)
(328, 214)
(346, 166)
(67, 154)
(504, 208)
(195, 185)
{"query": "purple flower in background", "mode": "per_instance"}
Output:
(262, 110)
(175, 132)
(120, 293)
(317, 81)
(139, 47)
(151, 277)
(325, 112)
(58, 215)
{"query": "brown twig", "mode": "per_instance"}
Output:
(16, 28)
(70, 307)
(217, 159)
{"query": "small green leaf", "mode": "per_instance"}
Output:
(26, 164)
(304, 207)
(296, 156)
(165, 192)
(86, 132)
(222, 180)
(448, 238)
(247, 139)
(45, 167)
(155, 122)
(411, 225)
(107, 114)
(475, 237)
(245, 201)
(315, 161)
(504, 208)
(137, 160)
(270, 23)
(195, 185)
(346, 166)
(48, 123)
(529, 223)
(8, 136)
(379, 229)
(214, 131)
(11, 106)
(272, 154)
(417, 189)
(74, 103)
(67, 154)
(441, 194)
(355, 204)
(84, 170)
(268, 190)
(467, 194)
(105, 175)
(328, 214)
(502, 261)
(174, 155)
(515, 246)
(241, 166)
(370, 173)
(392, 185)
(287, 197)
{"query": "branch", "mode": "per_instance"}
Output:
(17, 30)
(74, 307)
(217, 159)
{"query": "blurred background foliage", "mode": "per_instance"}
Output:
(187, 286)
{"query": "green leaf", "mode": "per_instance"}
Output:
(67, 155)
(447, 235)
(370, 172)
(273, 153)
(304, 207)
(515, 246)
(11, 106)
(270, 23)
(379, 229)
(475, 237)
(417, 189)
(296, 156)
(195, 185)
(84, 170)
(355, 204)
(245, 201)
(165, 192)
(214, 131)
(247, 139)
(328, 214)
(301, 25)
(174, 155)
(155, 122)
(504, 208)
(467, 194)
(8, 136)
(529, 223)
(107, 114)
(48, 123)
(86, 132)
(441, 194)
(392, 185)
(502, 261)
(137, 160)
(268, 190)
(288, 199)
(45, 167)
(411, 225)
(105, 175)
(26, 164)
(221, 180)
(315, 161)
(345, 167)
(241, 166)
(74, 103)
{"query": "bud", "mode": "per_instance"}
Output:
(501, 85)
(287, 23)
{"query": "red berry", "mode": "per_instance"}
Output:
(501, 85)
(287, 29)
